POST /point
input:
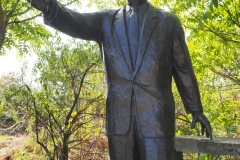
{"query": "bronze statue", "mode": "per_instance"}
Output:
(142, 48)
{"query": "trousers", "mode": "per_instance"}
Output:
(134, 146)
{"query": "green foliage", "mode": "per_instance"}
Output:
(212, 30)
(31, 151)
(69, 101)
(10, 113)
(17, 17)
(66, 109)
(213, 35)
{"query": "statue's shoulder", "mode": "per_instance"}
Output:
(109, 12)
(166, 15)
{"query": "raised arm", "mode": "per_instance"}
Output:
(86, 26)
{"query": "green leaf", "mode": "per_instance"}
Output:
(215, 3)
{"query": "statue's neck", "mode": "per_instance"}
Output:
(136, 2)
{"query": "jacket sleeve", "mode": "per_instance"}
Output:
(85, 26)
(183, 71)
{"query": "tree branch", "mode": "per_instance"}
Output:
(234, 19)
(228, 76)
(76, 95)
(219, 33)
(23, 12)
(11, 12)
(24, 20)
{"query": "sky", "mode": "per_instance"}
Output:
(10, 63)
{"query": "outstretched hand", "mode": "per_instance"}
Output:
(42, 5)
(205, 124)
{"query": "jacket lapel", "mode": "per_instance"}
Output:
(149, 25)
(120, 28)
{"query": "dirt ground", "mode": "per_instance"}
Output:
(11, 145)
(15, 143)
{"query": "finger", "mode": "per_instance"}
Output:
(209, 131)
(203, 128)
(194, 121)
(211, 136)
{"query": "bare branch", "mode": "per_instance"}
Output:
(80, 139)
(80, 125)
(221, 35)
(225, 75)
(8, 130)
(54, 119)
(185, 119)
(77, 95)
(24, 20)
(75, 118)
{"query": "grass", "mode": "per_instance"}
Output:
(3, 138)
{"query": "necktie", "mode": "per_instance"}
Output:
(133, 34)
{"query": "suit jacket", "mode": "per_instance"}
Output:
(163, 54)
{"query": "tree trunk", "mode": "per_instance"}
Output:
(2, 26)
(64, 152)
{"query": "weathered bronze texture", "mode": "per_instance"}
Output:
(140, 61)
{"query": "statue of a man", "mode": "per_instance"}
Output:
(142, 48)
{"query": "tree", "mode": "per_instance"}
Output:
(19, 28)
(12, 116)
(69, 105)
(16, 27)
(212, 34)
